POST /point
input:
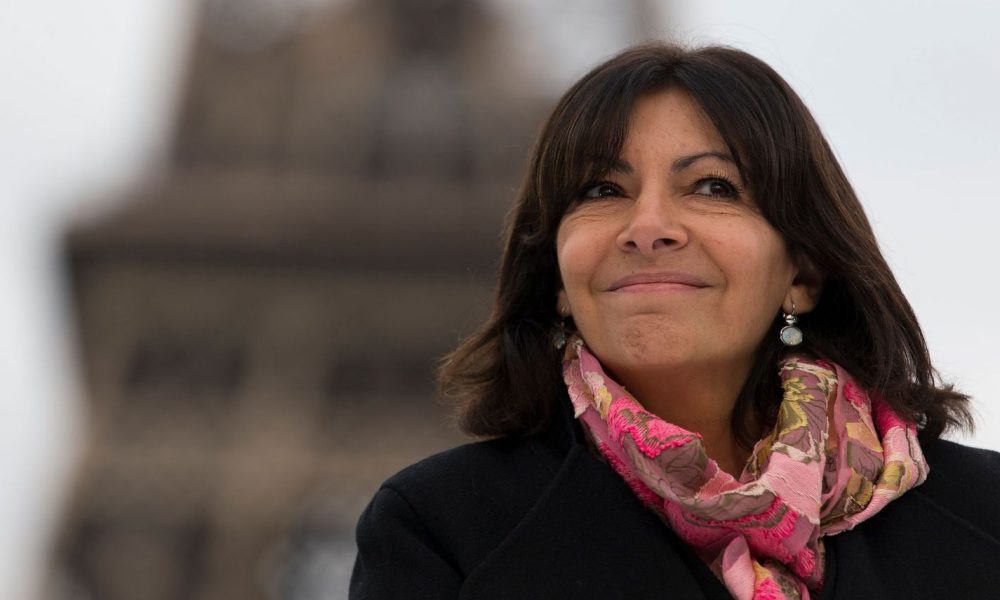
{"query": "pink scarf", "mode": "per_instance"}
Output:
(811, 477)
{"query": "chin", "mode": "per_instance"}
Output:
(644, 346)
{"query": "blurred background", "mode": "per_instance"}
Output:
(237, 234)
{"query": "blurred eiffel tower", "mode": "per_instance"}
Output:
(259, 327)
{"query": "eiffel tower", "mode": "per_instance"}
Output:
(260, 324)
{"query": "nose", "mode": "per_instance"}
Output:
(654, 225)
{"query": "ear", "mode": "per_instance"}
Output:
(806, 288)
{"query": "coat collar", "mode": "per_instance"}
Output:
(587, 535)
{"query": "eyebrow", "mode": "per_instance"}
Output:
(623, 167)
(686, 161)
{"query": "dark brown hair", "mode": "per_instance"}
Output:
(506, 378)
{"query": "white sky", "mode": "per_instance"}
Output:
(907, 93)
(87, 88)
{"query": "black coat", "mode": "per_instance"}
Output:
(542, 517)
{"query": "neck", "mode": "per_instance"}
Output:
(700, 402)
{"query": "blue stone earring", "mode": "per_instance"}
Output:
(790, 334)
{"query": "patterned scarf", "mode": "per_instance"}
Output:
(762, 535)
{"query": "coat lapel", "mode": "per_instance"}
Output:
(588, 536)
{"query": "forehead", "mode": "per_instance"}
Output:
(670, 120)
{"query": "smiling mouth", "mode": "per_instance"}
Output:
(656, 287)
(658, 282)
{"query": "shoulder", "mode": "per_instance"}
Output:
(965, 482)
(963, 467)
(958, 458)
(466, 500)
(943, 534)
(473, 467)
(507, 470)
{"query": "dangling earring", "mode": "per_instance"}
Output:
(790, 334)
(559, 336)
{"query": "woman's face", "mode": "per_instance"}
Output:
(667, 262)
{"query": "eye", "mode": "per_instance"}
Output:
(717, 186)
(603, 189)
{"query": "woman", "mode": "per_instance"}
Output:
(700, 378)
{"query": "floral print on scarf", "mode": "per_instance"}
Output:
(822, 470)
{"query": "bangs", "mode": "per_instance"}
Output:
(583, 138)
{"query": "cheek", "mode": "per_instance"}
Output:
(577, 257)
(759, 270)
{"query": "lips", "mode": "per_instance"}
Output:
(661, 278)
